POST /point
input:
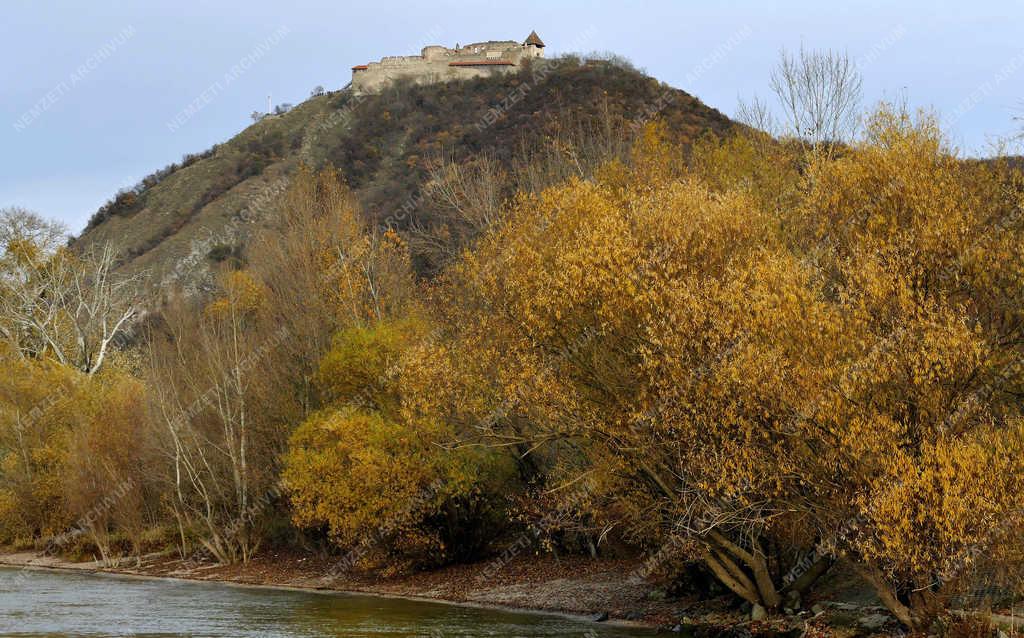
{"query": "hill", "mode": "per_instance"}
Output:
(176, 223)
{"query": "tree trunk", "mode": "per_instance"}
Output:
(754, 562)
(742, 587)
(818, 569)
(885, 592)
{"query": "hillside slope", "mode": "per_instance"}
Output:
(181, 220)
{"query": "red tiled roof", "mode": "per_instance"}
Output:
(360, 67)
(483, 63)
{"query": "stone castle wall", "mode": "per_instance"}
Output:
(441, 64)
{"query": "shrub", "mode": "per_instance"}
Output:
(383, 485)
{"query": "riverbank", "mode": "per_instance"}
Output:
(575, 587)
(74, 602)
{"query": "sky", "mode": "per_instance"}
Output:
(95, 95)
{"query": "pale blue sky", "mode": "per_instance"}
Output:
(93, 94)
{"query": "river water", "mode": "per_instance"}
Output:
(46, 603)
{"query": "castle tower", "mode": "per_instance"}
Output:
(534, 45)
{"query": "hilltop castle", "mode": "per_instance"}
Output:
(440, 64)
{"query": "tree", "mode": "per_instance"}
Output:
(323, 271)
(33, 446)
(21, 226)
(466, 199)
(383, 486)
(819, 95)
(108, 468)
(918, 425)
(620, 337)
(380, 479)
(772, 382)
(205, 373)
(356, 464)
(61, 313)
(56, 302)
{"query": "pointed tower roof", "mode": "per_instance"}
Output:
(535, 40)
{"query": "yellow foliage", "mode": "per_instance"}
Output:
(240, 295)
(34, 403)
(745, 346)
(363, 367)
(378, 482)
(821, 351)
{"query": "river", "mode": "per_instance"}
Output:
(49, 603)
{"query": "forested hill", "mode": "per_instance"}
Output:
(180, 220)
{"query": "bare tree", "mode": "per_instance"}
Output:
(28, 242)
(757, 114)
(20, 224)
(70, 306)
(465, 200)
(819, 95)
(101, 306)
(299, 256)
(575, 147)
(204, 375)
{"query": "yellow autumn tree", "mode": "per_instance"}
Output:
(832, 367)
(919, 421)
(74, 468)
(382, 482)
(108, 471)
(33, 446)
(626, 320)
(386, 488)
